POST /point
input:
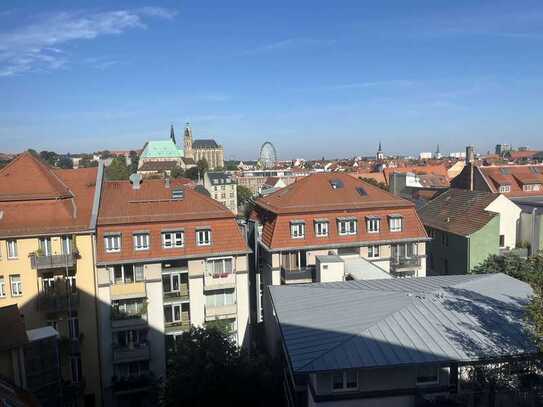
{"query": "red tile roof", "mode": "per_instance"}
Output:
(36, 199)
(315, 193)
(516, 176)
(313, 198)
(420, 169)
(522, 154)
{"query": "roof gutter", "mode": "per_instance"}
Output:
(97, 194)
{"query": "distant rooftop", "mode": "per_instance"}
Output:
(161, 149)
(204, 143)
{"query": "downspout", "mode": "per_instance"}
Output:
(469, 254)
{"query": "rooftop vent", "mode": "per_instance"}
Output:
(336, 183)
(535, 170)
(505, 171)
(361, 191)
(178, 194)
(136, 180)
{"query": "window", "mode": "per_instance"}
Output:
(427, 375)
(297, 230)
(113, 243)
(173, 239)
(347, 380)
(45, 246)
(128, 273)
(395, 223)
(2, 287)
(218, 268)
(16, 285)
(505, 188)
(67, 245)
(203, 237)
(128, 309)
(502, 241)
(220, 298)
(373, 224)
(176, 313)
(48, 285)
(12, 249)
(75, 363)
(141, 241)
(347, 227)
(373, 251)
(321, 228)
(73, 326)
(404, 250)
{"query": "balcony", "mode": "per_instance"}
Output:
(300, 275)
(57, 301)
(176, 327)
(55, 261)
(131, 353)
(217, 281)
(404, 267)
(128, 290)
(221, 311)
(122, 320)
(174, 296)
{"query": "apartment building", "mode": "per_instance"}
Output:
(334, 214)
(168, 257)
(47, 262)
(222, 188)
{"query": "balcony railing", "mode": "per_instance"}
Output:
(405, 266)
(179, 326)
(216, 281)
(220, 310)
(300, 275)
(183, 293)
(133, 384)
(58, 302)
(121, 319)
(131, 354)
(40, 262)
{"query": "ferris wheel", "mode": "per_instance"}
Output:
(268, 155)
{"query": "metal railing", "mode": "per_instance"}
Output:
(57, 302)
(55, 261)
(297, 275)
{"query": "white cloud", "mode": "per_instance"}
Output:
(37, 46)
(291, 43)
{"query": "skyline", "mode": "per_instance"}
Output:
(76, 77)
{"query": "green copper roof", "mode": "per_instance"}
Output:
(162, 149)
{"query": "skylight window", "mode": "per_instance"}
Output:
(505, 171)
(361, 191)
(336, 183)
(178, 194)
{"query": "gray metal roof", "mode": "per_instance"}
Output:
(394, 322)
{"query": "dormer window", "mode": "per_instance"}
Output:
(373, 224)
(203, 237)
(505, 188)
(297, 229)
(178, 194)
(347, 226)
(395, 223)
(531, 187)
(321, 228)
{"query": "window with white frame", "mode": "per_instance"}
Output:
(67, 244)
(427, 375)
(173, 239)
(345, 380)
(297, 230)
(505, 188)
(16, 285)
(45, 246)
(346, 227)
(12, 249)
(220, 298)
(2, 287)
(178, 312)
(220, 268)
(321, 228)
(141, 241)
(373, 251)
(373, 224)
(203, 237)
(128, 273)
(395, 223)
(112, 243)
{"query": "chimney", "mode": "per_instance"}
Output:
(470, 160)
(167, 182)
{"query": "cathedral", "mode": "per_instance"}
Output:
(207, 149)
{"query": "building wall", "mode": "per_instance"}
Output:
(509, 219)
(35, 318)
(455, 252)
(484, 242)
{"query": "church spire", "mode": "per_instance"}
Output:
(172, 134)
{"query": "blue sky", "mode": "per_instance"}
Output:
(314, 77)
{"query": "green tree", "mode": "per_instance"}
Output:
(203, 166)
(65, 162)
(117, 170)
(374, 182)
(50, 157)
(244, 195)
(207, 368)
(231, 165)
(192, 173)
(177, 172)
(134, 161)
(87, 163)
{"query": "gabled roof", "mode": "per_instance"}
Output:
(417, 169)
(515, 176)
(161, 149)
(28, 178)
(324, 191)
(204, 143)
(122, 204)
(401, 322)
(36, 199)
(458, 211)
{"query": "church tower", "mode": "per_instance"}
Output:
(187, 141)
(380, 156)
(172, 134)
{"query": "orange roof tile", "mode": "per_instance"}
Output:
(420, 169)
